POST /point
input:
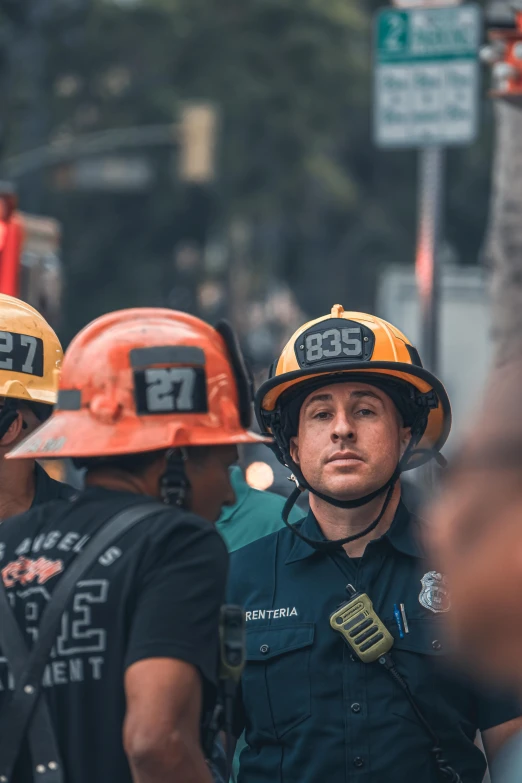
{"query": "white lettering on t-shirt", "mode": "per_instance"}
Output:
(24, 547)
(110, 556)
(68, 541)
(52, 539)
(59, 675)
(81, 543)
(37, 543)
(96, 664)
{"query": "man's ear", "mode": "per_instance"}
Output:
(294, 449)
(405, 437)
(13, 433)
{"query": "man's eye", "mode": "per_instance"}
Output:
(365, 412)
(321, 415)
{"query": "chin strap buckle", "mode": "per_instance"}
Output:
(294, 480)
(428, 400)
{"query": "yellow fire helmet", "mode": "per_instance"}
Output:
(354, 346)
(30, 360)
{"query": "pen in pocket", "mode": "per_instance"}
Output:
(404, 619)
(398, 620)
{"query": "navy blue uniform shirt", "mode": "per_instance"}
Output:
(311, 709)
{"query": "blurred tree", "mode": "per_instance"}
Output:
(297, 165)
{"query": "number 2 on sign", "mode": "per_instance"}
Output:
(333, 343)
(396, 25)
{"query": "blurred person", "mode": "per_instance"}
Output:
(351, 408)
(31, 357)
(253, 515)
(477, 538)
(152, 404)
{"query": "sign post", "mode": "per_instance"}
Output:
(426, 96)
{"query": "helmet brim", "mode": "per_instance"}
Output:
(78, 434)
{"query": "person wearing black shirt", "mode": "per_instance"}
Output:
(151, 404)
(31, 355)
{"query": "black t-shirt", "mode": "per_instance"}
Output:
(155, 592)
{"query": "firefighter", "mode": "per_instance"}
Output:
(151, 405)
(30, 360)
(333, 689)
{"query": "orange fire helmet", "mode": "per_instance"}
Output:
(143, 379)
(343, 345)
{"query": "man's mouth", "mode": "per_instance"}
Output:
(345, 458)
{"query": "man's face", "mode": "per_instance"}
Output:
(350, 439)
(208, 473)
(475, 533)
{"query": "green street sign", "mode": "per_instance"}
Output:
(426, 76)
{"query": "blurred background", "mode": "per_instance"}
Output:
(217, 157)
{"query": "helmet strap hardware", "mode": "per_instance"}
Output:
(174, 485)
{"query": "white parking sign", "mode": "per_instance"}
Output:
(426, 76)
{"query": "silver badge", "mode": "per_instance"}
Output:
(434, 594)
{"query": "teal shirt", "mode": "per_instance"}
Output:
(254, 515)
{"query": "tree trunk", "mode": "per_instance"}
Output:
(504, 240)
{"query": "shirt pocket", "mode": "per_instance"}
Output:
(422, 658)
(276, 681)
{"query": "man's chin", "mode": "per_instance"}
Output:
(351, 492)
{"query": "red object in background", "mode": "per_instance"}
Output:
(11, 240)
(505, 56)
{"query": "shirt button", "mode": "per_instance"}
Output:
(358, 762)
(436, 645)
(264, 649)
(356, 707)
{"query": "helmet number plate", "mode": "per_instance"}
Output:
(21, 353)
(341, 341)
(163, 390)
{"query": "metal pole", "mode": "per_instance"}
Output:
(427, 263)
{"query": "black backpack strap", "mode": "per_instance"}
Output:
(42, 741)
(16, 715)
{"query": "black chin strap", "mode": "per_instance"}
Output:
(417, 431)
(330, 546)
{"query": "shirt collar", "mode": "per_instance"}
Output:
(241, 491)
(301, 549)
(403, 535)
(42, 481)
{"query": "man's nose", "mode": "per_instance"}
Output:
(343, 427)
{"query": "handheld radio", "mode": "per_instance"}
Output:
(232, 642)
(360, 626)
